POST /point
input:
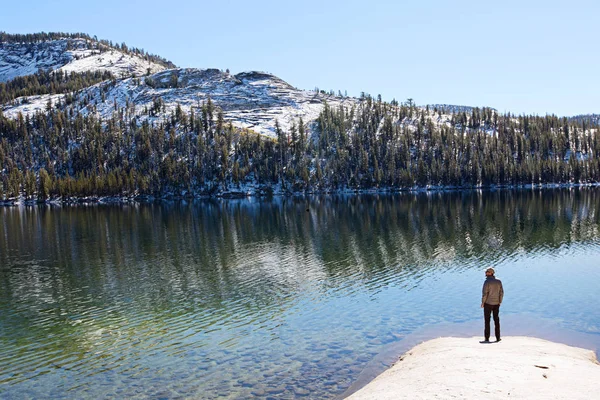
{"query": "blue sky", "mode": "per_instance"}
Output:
(533, 57)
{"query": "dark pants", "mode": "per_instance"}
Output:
(488, 309)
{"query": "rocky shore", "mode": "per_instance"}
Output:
(518, 367)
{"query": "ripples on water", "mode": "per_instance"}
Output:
(281, 298)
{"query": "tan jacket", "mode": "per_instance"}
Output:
(492, 292)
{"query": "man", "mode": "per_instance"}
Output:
(491, 299)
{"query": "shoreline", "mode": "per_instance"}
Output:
(258, 194)
(519, 367)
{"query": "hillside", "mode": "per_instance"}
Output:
(96, 120)
(70, 55)
(252, 100)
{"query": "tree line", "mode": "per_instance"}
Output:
(50, 82)
(367, 147)
(374, 144)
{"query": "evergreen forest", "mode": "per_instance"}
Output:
(61, 154)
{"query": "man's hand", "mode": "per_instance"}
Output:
(481, 305)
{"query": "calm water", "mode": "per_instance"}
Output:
(277, 298)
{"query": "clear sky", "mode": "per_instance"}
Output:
(533, 57)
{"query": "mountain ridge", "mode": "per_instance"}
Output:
(252, 99)
(261, 98)
(71, 53)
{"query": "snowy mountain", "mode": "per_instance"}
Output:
(78, 55)
(253, 100)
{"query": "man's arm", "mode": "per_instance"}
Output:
(501, 292)
(484, 293)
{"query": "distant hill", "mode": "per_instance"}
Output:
(589, 119)
(22, 55)
(453, 109)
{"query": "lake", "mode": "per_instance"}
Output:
(283, 297)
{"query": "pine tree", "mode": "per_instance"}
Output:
(30, 185)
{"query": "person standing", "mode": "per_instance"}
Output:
(491, 298)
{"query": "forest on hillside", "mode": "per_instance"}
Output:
(60, 153)
(46, 82)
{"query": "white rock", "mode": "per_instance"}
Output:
(462, 368)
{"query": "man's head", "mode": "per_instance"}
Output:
(489, 272)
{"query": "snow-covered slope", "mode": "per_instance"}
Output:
(20, 59)
(253, 100)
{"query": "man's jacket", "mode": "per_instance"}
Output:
(492, 292)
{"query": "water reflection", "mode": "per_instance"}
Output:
(277, 297)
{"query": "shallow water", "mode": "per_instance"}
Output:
(278, 298)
